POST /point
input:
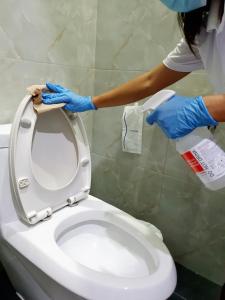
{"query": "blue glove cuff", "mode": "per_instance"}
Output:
(92, 106)
(206, 117)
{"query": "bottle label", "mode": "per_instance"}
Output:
(207, 160)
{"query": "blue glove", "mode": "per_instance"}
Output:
(180, 115)
(73, 102)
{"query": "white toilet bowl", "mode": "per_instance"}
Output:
(67, 244)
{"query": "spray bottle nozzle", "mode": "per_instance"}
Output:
(153, 102)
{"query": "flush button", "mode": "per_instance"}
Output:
(23, 182)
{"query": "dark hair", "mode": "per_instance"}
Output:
(192, 22)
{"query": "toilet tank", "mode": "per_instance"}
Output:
(4, 135)
(7, 210)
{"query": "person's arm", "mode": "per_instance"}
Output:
(141, 87)
(216, 106)
(132, 91)
(180, 115)
(179, 63)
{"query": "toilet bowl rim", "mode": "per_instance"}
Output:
(76, 277)
(106, 217)
(34, 237)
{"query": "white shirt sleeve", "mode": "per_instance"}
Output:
(181, 59)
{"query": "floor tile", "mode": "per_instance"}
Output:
(194, 287)
(6, 287)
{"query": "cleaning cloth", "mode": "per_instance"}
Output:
(39, 106)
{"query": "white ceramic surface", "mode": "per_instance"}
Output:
(89, 251)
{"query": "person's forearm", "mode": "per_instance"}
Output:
(139, 88)
(216, 106)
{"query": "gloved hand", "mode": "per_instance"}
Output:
(73, 102)
(180, 115)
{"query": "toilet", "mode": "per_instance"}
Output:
(58, 241)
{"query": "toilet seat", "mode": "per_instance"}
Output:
(49, 161)
(80, 279)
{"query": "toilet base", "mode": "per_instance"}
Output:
(30, 282)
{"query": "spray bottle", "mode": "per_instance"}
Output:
(198, 148)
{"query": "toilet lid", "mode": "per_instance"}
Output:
(49, 161)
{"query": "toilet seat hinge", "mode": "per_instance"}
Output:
(74, 200)
(43, 215)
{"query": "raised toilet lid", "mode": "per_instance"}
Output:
(49, 161)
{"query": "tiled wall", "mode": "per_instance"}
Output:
(46, 41)
(56, 40)
(132, 37)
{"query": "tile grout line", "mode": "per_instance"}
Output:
(181, 297)
(90, 67)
